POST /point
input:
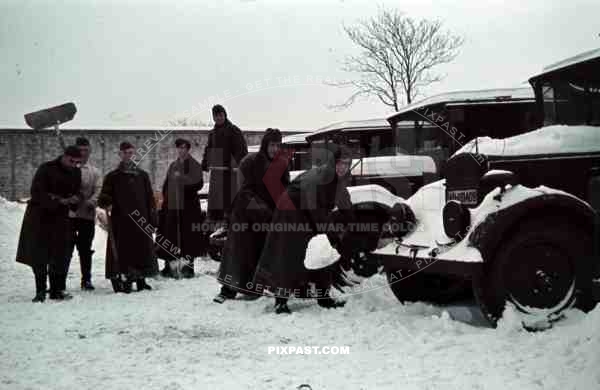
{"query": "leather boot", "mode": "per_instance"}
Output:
(126, 286)
(85, 260)
(281, 306)
(142, 285)
(39, 297)
(87, 285)
(330, 303)
(40, 284)
(60, 295)
(117, 284)
(58, 286)
(166, 272)
(188, 270)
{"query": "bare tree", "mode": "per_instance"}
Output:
(397, 57)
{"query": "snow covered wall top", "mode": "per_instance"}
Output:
(546, 140)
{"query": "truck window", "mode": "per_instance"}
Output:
(571, 103)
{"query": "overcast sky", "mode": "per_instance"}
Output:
(147, 62)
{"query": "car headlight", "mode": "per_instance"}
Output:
(456, 218)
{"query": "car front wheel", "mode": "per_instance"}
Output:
(543, 269)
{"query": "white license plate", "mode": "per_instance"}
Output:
(467, 197)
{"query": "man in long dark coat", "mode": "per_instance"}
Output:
(225, 149)
(127, 194)
(265, 176)
(302, 212)
(181, 212)
(46, 231)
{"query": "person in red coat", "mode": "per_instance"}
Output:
(265, 175)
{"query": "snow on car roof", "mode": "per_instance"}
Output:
(295, 139)
(378, 122)
(583, 57)
(287, 140)
(349, 125)
(500, 95)
(546, 140)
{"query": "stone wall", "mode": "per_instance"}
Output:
(23, 150)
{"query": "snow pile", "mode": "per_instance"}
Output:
(546, 140)
(320, 253)
(174, 337)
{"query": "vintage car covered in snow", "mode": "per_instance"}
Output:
(408, 150)
(516, 218)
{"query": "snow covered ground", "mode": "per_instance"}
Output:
(174, 337)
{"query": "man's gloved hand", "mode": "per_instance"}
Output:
(364, 266)
(334, 239)
(70, 200)
(102, 218)
(341, 278)
(343, 245)
(89, 205)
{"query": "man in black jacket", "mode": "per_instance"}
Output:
(223, 153)
(127, 195)
(46, 230)
(181, 211)
(253, 206)
(302, 212)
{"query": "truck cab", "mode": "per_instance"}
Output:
(516, 218)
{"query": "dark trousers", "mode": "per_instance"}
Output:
(224, 185)
(55, 271)
(82, 237)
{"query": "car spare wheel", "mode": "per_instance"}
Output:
(543, 269)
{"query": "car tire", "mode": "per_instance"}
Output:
(543, 269)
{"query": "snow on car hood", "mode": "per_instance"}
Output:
(545, 140)
(427, 204)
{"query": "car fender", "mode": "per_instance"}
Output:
(373, 194)
(498, 226)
